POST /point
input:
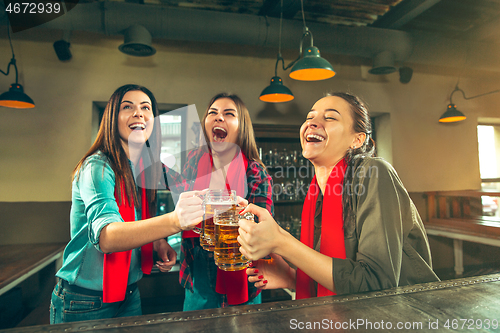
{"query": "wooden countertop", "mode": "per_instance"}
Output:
(19, 261)
(430, 307)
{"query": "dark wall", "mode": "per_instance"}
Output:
(34, 222)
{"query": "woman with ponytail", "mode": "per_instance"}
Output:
(116, 182)
(360, 230)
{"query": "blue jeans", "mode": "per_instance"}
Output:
(204, 274)
(67, 306)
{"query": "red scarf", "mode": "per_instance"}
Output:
(332, 227)
(233, 284)
(116, 265)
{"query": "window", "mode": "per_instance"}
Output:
(488, 137)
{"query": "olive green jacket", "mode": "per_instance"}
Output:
(388, 247)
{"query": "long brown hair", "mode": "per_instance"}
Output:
(108, 142)
(246, 136)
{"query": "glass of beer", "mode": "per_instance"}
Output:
(227, 253)
(222, 200)
(199, 230)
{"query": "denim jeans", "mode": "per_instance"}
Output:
(66, 306)
(204, 274)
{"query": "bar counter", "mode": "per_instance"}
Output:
(20, 261)
(466, 305)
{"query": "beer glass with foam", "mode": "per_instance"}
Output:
(227, 253)
(223, 200)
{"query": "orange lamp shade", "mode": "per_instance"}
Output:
(312, 67)
(452, 115)
(276, 92)
(16, 98)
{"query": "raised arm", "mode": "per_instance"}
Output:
(107, 231)
(117, 236)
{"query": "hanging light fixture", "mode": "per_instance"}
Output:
(309, 66)
(15, 97)
(452, 114)
(312, 67)
(383, 63)
(137, 42)
(276, 92)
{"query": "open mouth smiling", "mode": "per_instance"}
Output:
(219, 134)
(137, 126)
(314, 138)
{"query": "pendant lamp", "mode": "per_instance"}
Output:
(276, 92)
(15, 97)
(309, 66)
(453, 115)
(312, 67)
(137, 42)
(383, 64)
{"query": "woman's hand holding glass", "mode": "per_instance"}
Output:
(241, 202)
(189, 209)
(259, 239)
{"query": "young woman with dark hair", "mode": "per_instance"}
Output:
(116, 182)
(230, 161)
(360, 230)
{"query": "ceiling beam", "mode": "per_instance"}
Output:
(272, 8)
(403, 13)
(111, 18)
